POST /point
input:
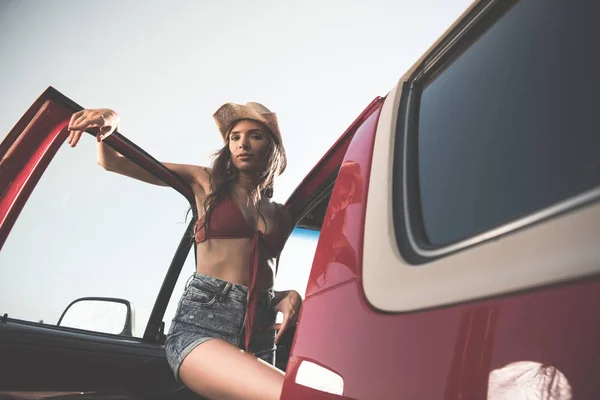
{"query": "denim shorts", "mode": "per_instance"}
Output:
(211, 308)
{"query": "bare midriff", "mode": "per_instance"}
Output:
(227, 259)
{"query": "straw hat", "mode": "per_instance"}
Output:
(229, 113)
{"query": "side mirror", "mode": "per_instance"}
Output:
(99, 314)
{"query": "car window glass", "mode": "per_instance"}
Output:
(296, 260)
(87, 232)
(509, 127)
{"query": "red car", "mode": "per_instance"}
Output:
(458, 222)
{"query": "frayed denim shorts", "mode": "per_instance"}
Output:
(211, 308)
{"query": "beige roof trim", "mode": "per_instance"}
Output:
(558, 249)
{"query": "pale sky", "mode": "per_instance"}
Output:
(165, 68)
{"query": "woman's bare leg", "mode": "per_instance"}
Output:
(219, 370)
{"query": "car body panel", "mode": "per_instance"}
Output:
(523, 321)
(337, 263)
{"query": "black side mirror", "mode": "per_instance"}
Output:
(99, 314)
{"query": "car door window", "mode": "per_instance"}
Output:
(508, 128)
(296, 260)
(85, 232)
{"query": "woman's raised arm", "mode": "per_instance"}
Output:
(107, 121)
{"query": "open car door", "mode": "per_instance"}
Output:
(44, 352)
(77, 242)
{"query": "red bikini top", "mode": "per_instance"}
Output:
(228, 222)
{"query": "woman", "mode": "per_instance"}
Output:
(229, 304)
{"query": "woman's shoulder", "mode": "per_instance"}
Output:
(279, 207)
(202, 175)
(189, 171)
(284, 214)
(194, 175)
(206, 171)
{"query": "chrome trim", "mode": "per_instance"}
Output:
(409, 234)
(453, 41)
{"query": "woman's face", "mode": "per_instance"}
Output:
(248, 143)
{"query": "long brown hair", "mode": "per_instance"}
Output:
(224, 175)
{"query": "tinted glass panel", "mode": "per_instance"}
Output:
(85, 232)
(296, 260)
(511, 126)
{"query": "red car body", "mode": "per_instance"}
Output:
(510, 312)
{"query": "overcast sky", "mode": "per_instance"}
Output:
(165, 67)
